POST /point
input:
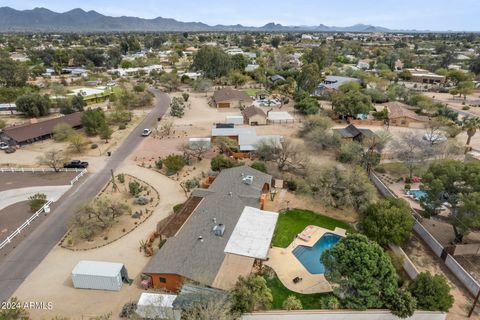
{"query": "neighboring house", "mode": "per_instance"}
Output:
(332, 83)
(400, 115)
(230, 98)
(251, 67)
(246, 138)
(254, 116)
(276, 77)
(425, 76)
(352, 133)
(398, 65)
(219, 234)
(8, 108)
(35, 131)
(363, 64)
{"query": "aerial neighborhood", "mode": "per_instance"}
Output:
(158, 169)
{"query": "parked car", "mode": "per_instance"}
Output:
(3, 146)
(10, 149)
(146, 132)
(76, 164)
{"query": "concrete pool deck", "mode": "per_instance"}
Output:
(287, 267)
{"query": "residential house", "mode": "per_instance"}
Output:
(275, 78)
(399, 114)
(230, 98)
(254, 116)
(425, 76)
(246, 138)
(352, 133)
(363, 64)
(35, 131)
(332, 83)
(218, 235)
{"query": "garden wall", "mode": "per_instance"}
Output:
(408, 265)
(340, 315)
(468, 281)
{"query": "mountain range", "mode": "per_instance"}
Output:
(79, 20)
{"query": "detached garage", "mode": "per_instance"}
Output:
(99, 275)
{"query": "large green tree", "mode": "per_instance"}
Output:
(457, 183)
(350, 101)
(362, 271)
(213, 61)
(388, 221)
(251, 294)
(33, 105)
(12, 73)
(432, 292)
(93, 120)
(309, 77)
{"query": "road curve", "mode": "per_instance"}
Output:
(22, 260)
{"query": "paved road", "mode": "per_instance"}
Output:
(31, 251)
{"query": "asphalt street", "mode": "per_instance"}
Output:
(32, 250)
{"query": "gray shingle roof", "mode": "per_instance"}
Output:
(228, 94)
(197, 260)
(351, 132)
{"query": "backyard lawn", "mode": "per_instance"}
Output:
(294, 221)
(280, 293)
(251, 92)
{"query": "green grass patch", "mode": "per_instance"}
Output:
(398, 169)
(293, 222)
(280, 293)
(251, 92)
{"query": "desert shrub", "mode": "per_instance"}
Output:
(260, 166)
(121, 178)
(94, 146)
(37, 201)
(134, 188)
(174, 163)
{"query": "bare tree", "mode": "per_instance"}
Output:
(166, 128)
(196, 149)
(287, 154)
(54, 159)
(410, 149)
(435, 130)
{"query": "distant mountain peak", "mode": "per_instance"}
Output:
(79, 20)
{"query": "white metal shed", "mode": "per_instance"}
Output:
(157, 306)
(99, 275)
(234, 119)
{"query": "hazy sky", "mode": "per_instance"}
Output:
(461, 15)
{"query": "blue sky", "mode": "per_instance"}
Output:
(459, 15)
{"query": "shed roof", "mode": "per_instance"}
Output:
(279, 116)
(29, 131)
(253, 233)
(97, 268)
(396, 110)
(351, 131)
(156, 299)
(254, 110)
(228, 94)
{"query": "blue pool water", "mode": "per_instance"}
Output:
(310, 256)
(418, 194)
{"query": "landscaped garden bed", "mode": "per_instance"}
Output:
(124, 204)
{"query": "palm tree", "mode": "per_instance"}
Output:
(471, 125)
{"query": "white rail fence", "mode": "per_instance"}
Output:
(25, 224)
(46, 207)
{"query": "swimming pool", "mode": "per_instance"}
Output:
(417, 194)
(310, 256)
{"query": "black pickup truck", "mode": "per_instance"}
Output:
(76, 164)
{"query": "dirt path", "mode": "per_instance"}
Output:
(425, 260)
(51, 281)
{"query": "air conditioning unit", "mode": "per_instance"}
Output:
(248, 180)
(219, 229)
